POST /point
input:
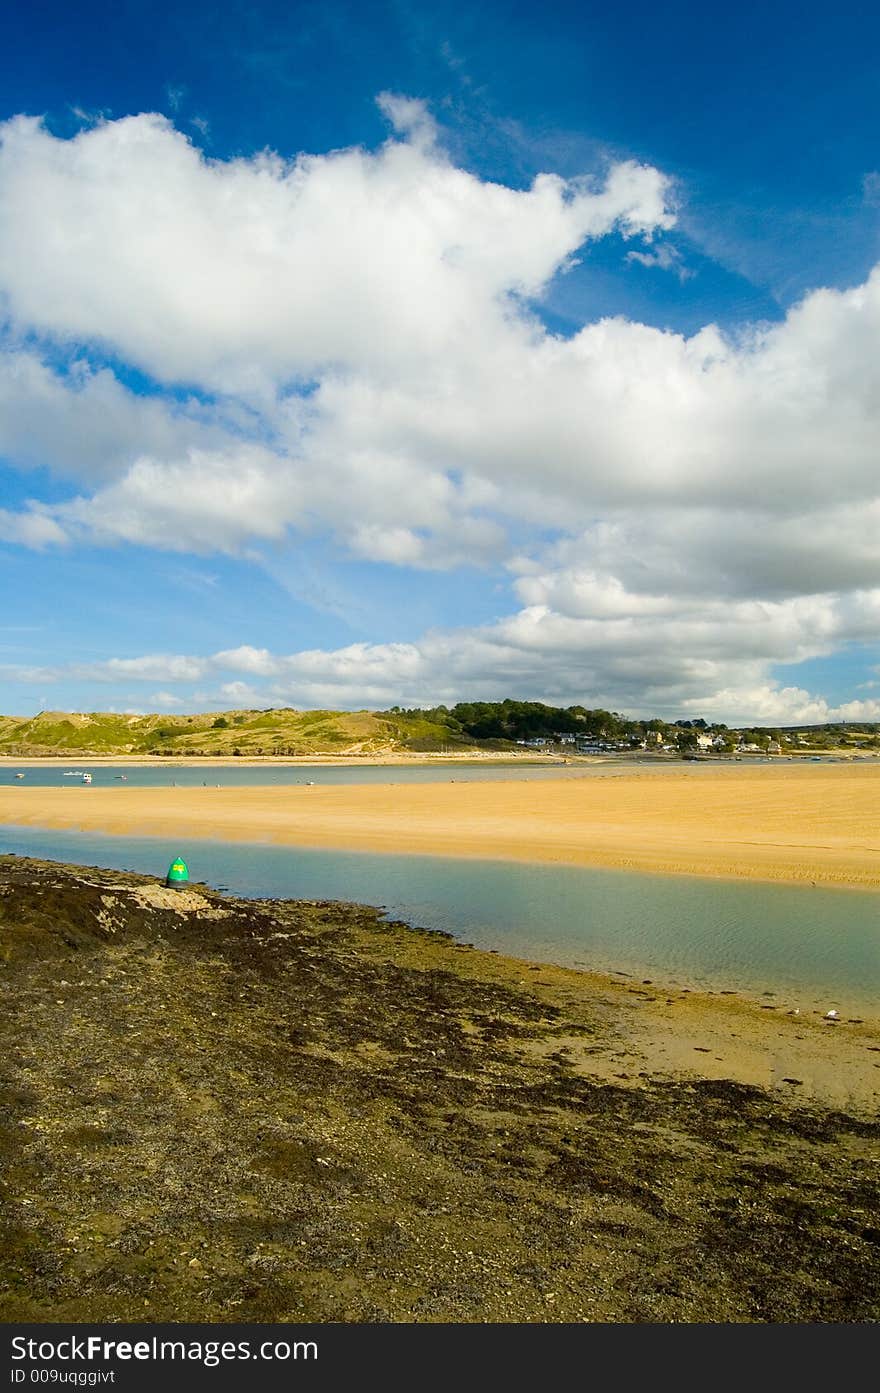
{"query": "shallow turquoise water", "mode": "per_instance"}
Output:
(168, 773)
(811, 948)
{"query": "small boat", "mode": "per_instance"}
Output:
(19, 776)
(123, 777)
(72, 774)
(87, 778)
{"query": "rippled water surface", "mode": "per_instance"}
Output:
(797, 946)
(167, 773)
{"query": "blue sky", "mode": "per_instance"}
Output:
(361, 354)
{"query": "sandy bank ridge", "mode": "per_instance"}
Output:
(801, 824)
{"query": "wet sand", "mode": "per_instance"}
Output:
(221, 1110)
(349, 759)
(797, 824)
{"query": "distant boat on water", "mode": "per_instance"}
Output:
(123, 777)
(72, 774)
(87, 778)
(19, 776)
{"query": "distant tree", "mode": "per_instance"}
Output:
(756, 737)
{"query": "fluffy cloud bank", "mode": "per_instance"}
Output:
(684, 661)
(349, 345)
(244, 274)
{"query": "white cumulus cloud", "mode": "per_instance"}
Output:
(349, 345)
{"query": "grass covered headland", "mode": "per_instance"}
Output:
(226, 1110)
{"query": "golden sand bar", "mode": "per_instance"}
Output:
(800, 824)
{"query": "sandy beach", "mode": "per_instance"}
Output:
(412, 757)
(796, 824)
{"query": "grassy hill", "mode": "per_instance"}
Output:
(283, 732)
(246, 733)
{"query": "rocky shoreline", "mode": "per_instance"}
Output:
(228, 1110)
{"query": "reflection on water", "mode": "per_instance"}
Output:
(811, 947)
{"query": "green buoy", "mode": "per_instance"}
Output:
(178, 873)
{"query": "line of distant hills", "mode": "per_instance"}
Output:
(499, 726)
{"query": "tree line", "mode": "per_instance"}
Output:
(511, 720)
(530, 720)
